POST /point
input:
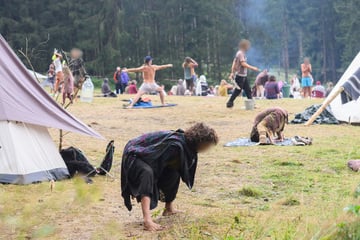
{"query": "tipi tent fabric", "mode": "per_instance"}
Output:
(350, 111)
(22, 98)
(28, 154)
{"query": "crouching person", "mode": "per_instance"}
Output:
(268, 124)
(153, 164)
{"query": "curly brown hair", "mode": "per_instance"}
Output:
(201, 133)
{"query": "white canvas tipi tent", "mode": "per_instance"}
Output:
(344, 99)
(350, 111)
(27, 152)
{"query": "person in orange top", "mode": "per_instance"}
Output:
(306, 80)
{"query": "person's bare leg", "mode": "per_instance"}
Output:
(162, 96)
(149, 224)
(170, 209)
(137, 97)
(258, 91)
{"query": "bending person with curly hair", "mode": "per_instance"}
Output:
(153, 164)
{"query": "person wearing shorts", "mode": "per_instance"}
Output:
(149, 85)
(306, 80)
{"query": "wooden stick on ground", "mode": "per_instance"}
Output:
(324, 106)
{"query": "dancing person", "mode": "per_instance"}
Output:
(239, 72)
(59, 75)
(272, 90)
(117, 80)
(153, 164)
(306, 80)
(260, 82)
(269, 123)
(149, 85)
(77, 67)
(68, 85)
(189, 66)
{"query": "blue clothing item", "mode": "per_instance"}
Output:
(306, 82)
(187, 73)
(125, 78)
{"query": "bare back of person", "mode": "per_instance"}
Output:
(149, 85)
(149, 73)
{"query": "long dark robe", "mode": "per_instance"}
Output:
(147, 166)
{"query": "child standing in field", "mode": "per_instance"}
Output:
(68, 85)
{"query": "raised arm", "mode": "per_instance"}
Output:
(139, 69)
(194, 62)
(160, 67)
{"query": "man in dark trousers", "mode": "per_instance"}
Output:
(239, 72)
(153, 164)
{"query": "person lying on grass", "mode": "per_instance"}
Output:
(149, 85)
(269, 123)
(153, 164)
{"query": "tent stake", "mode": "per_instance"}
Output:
(324, 106)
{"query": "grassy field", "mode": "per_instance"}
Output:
(262, 192)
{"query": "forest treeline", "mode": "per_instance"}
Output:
(122, 32)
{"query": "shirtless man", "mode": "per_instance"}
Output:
(306, 80)
(149, 85)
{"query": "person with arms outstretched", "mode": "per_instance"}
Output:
(149, 85)
(239, 72)
(153, 164)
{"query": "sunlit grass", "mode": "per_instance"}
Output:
(240, 193)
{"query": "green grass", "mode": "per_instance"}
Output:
(245, 193)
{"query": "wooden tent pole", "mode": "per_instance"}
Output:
(324, 106)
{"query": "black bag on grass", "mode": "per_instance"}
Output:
(108, 159)
(76, 161)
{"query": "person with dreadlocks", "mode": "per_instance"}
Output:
(269, 123)
(153, 164)
(77, 67)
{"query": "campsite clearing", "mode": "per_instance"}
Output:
(262, 192)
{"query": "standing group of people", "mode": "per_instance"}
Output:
(65, 77)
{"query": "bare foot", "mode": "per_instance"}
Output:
(129, 107)
(151, 226)
(169, 212)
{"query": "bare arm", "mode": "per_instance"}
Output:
(139, 69)
(160, 67)
(232, 69)
(246, 65)
(194, 62)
